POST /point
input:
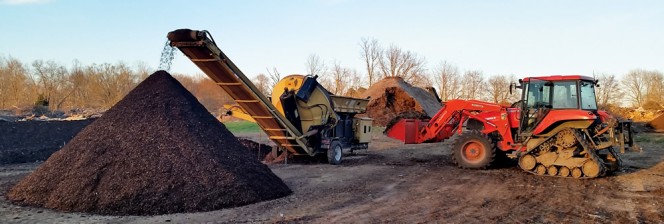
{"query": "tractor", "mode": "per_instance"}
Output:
(555, 129)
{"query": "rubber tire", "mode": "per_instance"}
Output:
(476, 137)
(335, 153)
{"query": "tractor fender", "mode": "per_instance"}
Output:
(556, 118)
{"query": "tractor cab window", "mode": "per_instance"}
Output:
(537, 94)
(564, 95)
(588, 101)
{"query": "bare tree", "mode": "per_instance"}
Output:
(608, 91)
(263, 84)
(498, 86)
(210, 96)
(635, 85)
(14, 84)
(421, 80)
(142, 70)
(371, 52)
(78, 95)
(315, 65)
(124, 81)
(274, 76)
(109, 83)
(654, 89)
(472, 85)
(51, 78)
(515, 95)
(189, 82)
(5, 80)
(100, 86)
(396, 62)
(340, 79)
(355, 88)
(206, 91)
(446, 78)
(95, 88)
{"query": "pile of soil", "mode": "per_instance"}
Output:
(258, 150)
(658, 123)
(157, 151)
(30, 141)
(393, 96)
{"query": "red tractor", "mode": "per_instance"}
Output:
(555, 129)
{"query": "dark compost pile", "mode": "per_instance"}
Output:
(30, 141)
(156, 151)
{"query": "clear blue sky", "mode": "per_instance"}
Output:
(496, 37)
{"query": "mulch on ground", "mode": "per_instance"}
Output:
(30, 141)
(157, 151)
(393, 96)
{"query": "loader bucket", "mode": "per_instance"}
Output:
(406, 130)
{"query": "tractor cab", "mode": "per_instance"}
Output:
(542, 95)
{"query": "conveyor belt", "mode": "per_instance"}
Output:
(203, 51)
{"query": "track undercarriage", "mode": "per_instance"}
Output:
(570, 152)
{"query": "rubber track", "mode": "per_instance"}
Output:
(587, 149)
(615, 155)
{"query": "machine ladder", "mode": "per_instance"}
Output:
(203, 51)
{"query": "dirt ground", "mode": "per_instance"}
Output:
(392, 182)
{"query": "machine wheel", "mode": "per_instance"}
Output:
(473, 150)
(553, 170)
(527, 162)
(540, 170)
(334, 153)
(576, 172)
(564, 171)
(591, 169)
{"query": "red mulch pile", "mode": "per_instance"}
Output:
(392, 97)
(157, 151)
(658, 123)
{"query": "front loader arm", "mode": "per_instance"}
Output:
(448, 119)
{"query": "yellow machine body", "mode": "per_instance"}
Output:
(301, 118)
(321, 107)
(316, 111)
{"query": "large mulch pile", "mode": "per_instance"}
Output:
(157, 151)
(658, 123)
(393, 96)
(30, 141)
(258, 150)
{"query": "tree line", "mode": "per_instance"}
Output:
(637, 88)
(32, 87)
(47, 83)
(100, 86)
